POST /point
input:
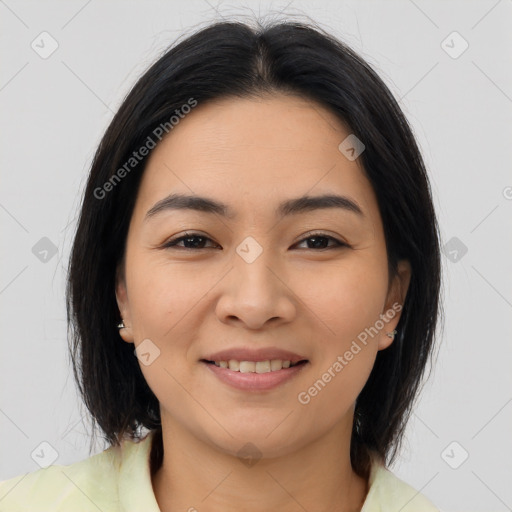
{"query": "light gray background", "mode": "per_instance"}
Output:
(55, 110)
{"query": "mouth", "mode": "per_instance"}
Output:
(266, 366)
(255, 376)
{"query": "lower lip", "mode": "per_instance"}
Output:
(255, 381)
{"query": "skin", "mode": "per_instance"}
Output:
(252, 154)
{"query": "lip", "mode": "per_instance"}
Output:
(254, 381)
(254, 355)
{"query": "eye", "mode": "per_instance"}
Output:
(321, 239)
(192, 240)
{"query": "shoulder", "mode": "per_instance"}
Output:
(388, 493)
(90, 484)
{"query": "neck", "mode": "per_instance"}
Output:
(196, 475)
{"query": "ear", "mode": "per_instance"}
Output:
(394, 303)
(123, 305)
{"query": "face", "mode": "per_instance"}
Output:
(309, 281)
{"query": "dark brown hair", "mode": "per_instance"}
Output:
(232, 59)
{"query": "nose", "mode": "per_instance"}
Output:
(255, 293)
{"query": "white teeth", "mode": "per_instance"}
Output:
(247, 366)
(273, 365)
(262, 366)
(276, 364)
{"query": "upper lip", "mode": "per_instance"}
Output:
(262, 354)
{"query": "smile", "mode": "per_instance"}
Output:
(255, 366)
(255, 375)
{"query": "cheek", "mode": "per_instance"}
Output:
(346, 301)
(162, 293)
(346, 298)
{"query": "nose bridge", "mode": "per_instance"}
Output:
(253, 263)
(255, 293)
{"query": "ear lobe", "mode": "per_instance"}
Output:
(385, 340)
(394, 303)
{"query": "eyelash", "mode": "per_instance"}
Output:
(173, 242)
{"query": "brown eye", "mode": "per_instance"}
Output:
(190, 241)
(321, 240)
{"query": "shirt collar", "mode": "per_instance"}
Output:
(135, 486)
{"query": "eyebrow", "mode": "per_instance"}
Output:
(289, 207)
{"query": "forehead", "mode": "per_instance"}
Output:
(252, 152)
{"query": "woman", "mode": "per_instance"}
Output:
(253, 287)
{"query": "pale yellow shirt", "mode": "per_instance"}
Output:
(119, 480)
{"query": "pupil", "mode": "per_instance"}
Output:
(316, 242)
(188, 239)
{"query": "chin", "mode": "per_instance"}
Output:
(257, 442)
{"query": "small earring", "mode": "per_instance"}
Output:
(391, 334)
(121, 325)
